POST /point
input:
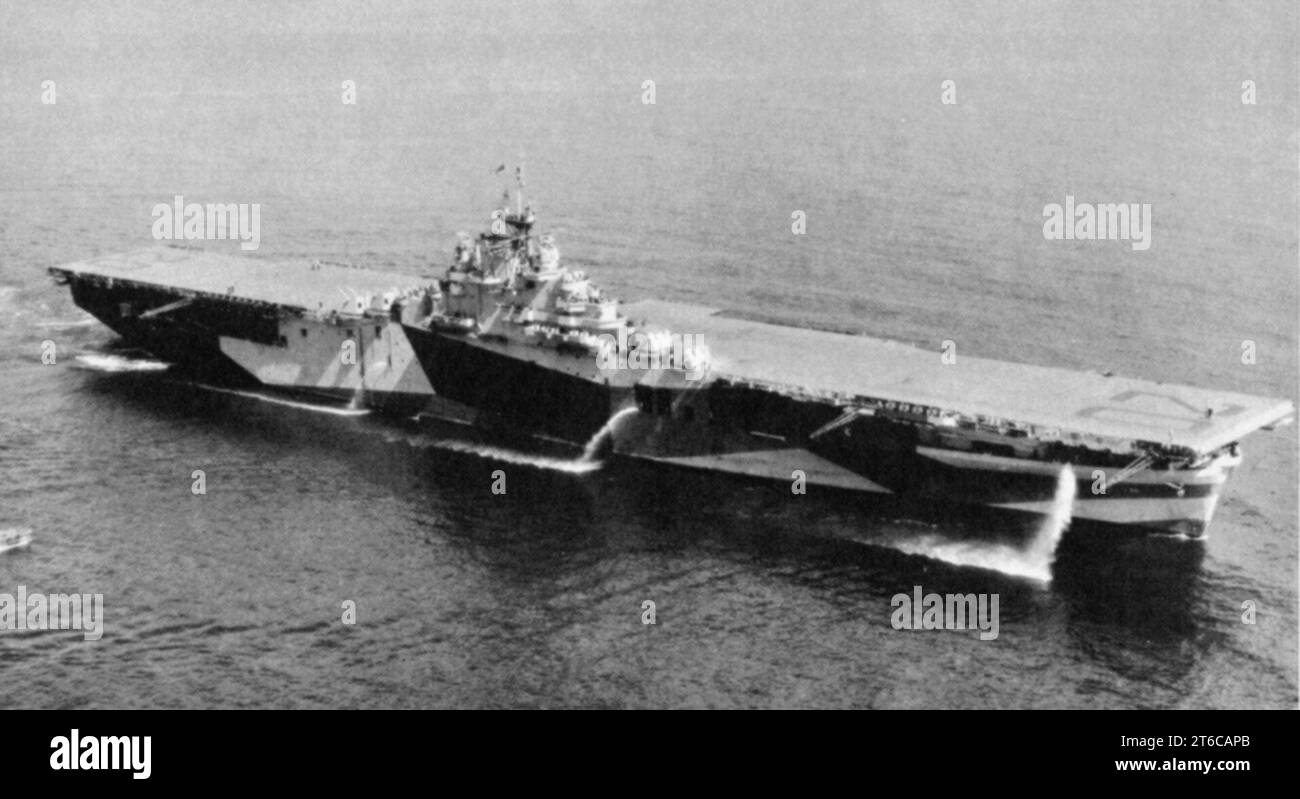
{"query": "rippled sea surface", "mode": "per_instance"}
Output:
(924, 224)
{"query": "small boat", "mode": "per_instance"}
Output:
(15, 538)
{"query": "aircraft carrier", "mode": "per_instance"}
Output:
(510, 339)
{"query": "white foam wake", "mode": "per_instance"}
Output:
(505, 455)
(119, 363)
(1032, 561)
(583, 464)
(57, 325)
(302, 406)
(592, 449)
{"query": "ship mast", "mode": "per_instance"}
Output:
(519, 189)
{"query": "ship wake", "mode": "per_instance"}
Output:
(98, 362)
(589, 461)
(566, 465)
(1032, 561)
(331, 410)
(68, 324)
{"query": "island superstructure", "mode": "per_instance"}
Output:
(510, 339)
(530, 343)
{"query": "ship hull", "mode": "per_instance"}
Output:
(188, 337)
(239, 344)
(1150, 506)
(365, 362)
(777, 438)
(518, 388)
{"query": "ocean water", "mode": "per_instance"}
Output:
(923, 224)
